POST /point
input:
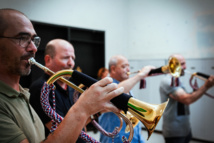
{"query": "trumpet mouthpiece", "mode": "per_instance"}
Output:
(31, 60)
(133, 72)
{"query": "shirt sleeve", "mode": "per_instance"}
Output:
(9, 130)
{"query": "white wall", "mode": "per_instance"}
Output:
(138, 29)
(160, 28)
(106, 15)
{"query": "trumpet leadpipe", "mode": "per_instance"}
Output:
(153, 71)
(199, 75)
(133, 72)
(32, 61)
(202, 76)
(163, 69)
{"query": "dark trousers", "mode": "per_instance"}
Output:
(185, 139)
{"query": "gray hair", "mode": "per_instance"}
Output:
(113, 61)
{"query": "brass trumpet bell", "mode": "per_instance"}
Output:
(148, 114)
(173, 67)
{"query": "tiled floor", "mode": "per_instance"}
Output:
(155, 137)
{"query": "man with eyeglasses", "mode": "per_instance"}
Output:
(25, 39)
(18, 121)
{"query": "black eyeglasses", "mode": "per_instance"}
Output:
(25, 40)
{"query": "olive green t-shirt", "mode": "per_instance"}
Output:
(18, 120)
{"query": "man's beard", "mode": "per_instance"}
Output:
(25, 72)
(14, 65)
(22, 71)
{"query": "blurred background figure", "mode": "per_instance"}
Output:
(118, 69)
(176, 119)
(102, 72)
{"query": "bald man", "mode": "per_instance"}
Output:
(59, 55)
(176, 124)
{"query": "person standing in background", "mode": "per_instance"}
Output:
(176, 124)
(102, 73)
(118, 69)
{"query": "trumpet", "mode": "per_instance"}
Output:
(57, 117)
(200, 76)
(173, 67)
(148, 114)
(134, 121)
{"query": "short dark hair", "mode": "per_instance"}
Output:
(3, 21)
(50, 50)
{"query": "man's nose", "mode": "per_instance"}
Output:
(71, 62)
(32, 47)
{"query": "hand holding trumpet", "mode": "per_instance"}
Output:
(144, 72)
(98, 95)
(209, 82)
(131, 82)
